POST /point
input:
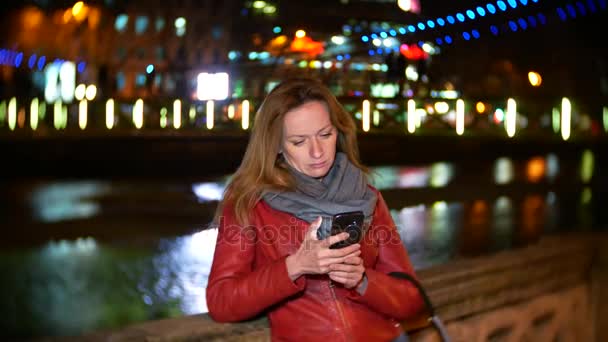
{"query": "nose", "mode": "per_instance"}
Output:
(316, 148)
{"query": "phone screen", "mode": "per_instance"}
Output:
(352, 223)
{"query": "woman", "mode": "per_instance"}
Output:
(300, 168)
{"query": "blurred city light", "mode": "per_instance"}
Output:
(566, 118)
(12, 114)
(212, 86)
(587, 166)
(138, 114)
(503, 171)
(511, 118)
(605, 116)
(366, 116)
(177, 114)
(245, 115)
(459, 116)
(80, 92)
(534, 78)
(480, 107)
(110, 114)
(411, 116)
(210, 114)
(34, 114)
(82, 114)
(535, 170)
(91, 92)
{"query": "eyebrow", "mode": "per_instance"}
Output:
(304, 135)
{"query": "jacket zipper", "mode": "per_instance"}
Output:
(346, 327)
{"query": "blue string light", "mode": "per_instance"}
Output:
(501, 5)
(541, 18)
(421, 26)
(491, 8)
(448, 39)
(470, 14)
(512, 25)
(561, 14)
(450, 19)
(32, 61)
(522, 23)
(402, 30)
(532, 21)
(475, 34)
(494, 30)
(466, 35)
(523, 2)
(41, 62)
(18, 59)
(430, 24)
(591, 6)
(441, 22)
(365, 39)
(512, 3)
(392, 33)
(571, 11)
(480, 11)
(460, 17)
(439, 41)
(411, 28)
(383, 35)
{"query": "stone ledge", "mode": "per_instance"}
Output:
(460, 290)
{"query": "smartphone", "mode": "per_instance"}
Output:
(350, 222)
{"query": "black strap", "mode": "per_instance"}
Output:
(434, 319)
(425, 297)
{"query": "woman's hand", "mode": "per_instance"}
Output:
(315, 257)
(350, 272)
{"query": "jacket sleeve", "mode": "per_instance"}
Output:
(236, 290)
(393, 297)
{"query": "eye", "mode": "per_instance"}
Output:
(297, 143)
(327, 134)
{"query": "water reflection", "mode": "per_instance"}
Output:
(70, 287)
(67, 201)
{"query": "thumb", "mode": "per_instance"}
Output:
(314, 226)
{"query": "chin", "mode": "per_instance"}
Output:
(317, 173)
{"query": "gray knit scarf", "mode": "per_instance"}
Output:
(343, 189)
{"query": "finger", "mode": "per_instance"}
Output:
(343, 268)
(344, 252)
(331, 261)
(353, 260)
(343, 275)
(338, 279)
(314, 226)
(335, 238)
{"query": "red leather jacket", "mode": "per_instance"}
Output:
(249, 276)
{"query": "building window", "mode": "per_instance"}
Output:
(121, 53)
(141, 24)
(160, 53)
(120, 81)
(121, 22)
(160, 24)
(140, 80)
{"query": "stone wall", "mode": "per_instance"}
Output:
(554, 290)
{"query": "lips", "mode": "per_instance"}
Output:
(317, 165)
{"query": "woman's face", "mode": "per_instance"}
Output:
(309, 139)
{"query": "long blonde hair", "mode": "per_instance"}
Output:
(261, 169)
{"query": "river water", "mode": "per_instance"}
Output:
(88, 254)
